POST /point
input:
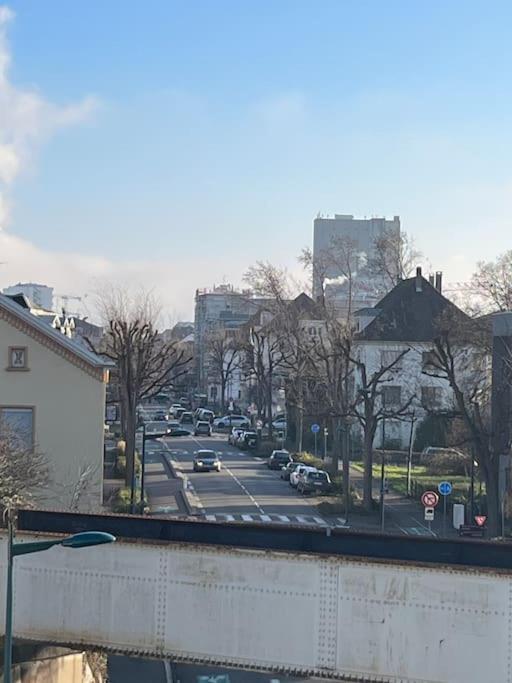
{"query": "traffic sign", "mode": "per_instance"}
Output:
(480, 520)
(326, 431)
(429, 514)
(315, 428)
(444, 488)
(430, 499)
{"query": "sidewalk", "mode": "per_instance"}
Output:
(401, 514)
(163, 489)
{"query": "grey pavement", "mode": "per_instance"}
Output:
(135, 670)
(244, 490)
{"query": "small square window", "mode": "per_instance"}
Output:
(17, 358)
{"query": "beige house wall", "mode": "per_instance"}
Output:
(69, 409)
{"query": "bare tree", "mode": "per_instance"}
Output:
(224, 358)
(145, 364)
(371, 406)
(24, 472)
(461, 356)
(490, 286)
(394, 258)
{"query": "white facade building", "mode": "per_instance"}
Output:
(39, 296)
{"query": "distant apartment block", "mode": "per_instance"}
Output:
(359, 232)
(221, 308)
(39, 296)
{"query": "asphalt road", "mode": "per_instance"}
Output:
(137, 670)
(245, 489)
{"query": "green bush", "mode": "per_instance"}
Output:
(121, 501)
(121, 465)
(448, 463)
(309, 459)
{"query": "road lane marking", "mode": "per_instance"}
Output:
(284, 518)
(319, 520)
(302, 519)
(211, 518)
(244, 489)
(247, 518)
(265, 518)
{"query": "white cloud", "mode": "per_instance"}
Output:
(26, 119)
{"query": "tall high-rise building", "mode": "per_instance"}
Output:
(40, 296)
(360, 233)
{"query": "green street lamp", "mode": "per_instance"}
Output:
(81, 540)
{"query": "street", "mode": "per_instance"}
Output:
(245, 489)
(134, 669)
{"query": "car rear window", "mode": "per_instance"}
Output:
(317, 476)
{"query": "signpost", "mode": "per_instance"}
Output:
(326, 434)
(429, 499)
(315, 428)
(444, 488)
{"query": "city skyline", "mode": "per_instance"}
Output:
(205, 138)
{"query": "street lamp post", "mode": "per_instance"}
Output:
(382, 473)
(81, 540)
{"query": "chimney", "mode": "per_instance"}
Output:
(439, 281)
(419, 283)
(431, 279)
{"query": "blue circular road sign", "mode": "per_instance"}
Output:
(444, 488)
(315, 428)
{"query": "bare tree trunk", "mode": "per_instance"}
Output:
(368, 436)
(222, 394)
(269, 408)
(300, 426)
(131, 426)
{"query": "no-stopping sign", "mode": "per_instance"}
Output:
(430, 499)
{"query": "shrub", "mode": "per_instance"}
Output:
(121, 501)
(120, 466)
(449, 463)
(309, 459)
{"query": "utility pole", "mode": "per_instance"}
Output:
(409, 455)
(382, 477)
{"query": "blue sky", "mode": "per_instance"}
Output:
(218, 130)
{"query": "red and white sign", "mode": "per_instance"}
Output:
(430, 499)
(480, 520)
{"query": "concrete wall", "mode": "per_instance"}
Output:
(69, 409)
(325, 616)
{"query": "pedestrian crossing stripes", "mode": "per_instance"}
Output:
(304, 520)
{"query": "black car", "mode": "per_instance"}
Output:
(177, 431)
(278, 459)
(250, 440)
(314, 482)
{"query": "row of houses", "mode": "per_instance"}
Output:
(398, 332)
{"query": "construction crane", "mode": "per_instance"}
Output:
(65, 299)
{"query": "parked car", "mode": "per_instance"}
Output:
(231, 421)
(156, 429)
(179, 412)
(234, 434)
(280, 425)
(175, 407)
(187, 418)
(288, 469)
(176, 430)
(278, 459)
(206, 460)
(159, 416)
(299, 472)
(205, 415)
(248, 440)
(202, 429)
(314, 482)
